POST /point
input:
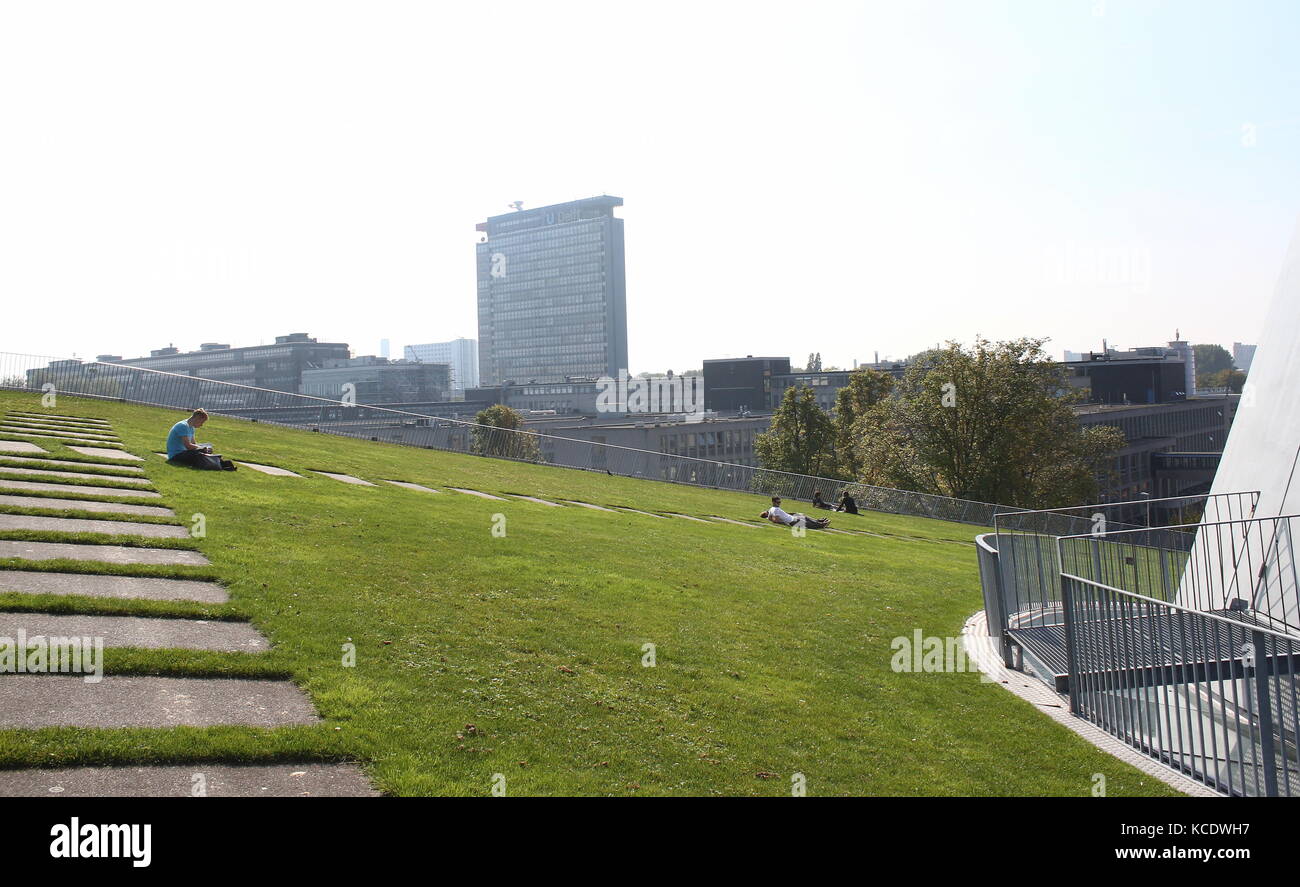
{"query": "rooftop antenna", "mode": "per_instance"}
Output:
(517, 205)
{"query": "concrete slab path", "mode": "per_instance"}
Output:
(84, 525)
(84, 505)
(117, 470)
(106, 453)
(105, 586)
(219, 781)
(476, 493)
(138, 631)
(34, 701)
(82, 489)
(347, 479)
(109, 554)
(77, 475)
(407, 485)
(19, 446)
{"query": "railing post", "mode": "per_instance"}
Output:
(1067, 608)
(1268, 751)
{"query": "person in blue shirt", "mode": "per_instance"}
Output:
(183, 450)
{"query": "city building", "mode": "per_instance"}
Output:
(376, 380)
(825, 386)
(576, 398)
(1243, 356)
(616, 396)
(743, 383)
(460, 354)
(727, 440)
(1172, 448)
(1113, 379)
(552, 295)
(278, 367)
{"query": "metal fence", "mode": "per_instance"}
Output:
(112, 381)
(1189, 655)
(1021, 584)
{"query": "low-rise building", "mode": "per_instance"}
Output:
(374, 380)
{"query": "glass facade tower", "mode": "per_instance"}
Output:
(552, 295)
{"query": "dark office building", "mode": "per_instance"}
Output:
(552, 294)
(734, 384)
(278, 367)
(1129, 380)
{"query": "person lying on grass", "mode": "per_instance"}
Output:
(778, 516)
(182, 450)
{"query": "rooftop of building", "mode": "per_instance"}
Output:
(603, 201)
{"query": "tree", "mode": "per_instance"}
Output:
(1232, 380)
(801, 438)
(866, 388)
(994, 423)
(497, 432)
(1210, 359)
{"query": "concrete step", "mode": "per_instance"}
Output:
(106, 586)
(410, 486)
(30, 701)
(476, 493)
(81, 489)
(77, 475)
(81, 525)
(84, 505)
(534, 499)
(138, 631)
(180, 781)
(19, 446)
(58, 417)
(63, 438)
(109, 554)
(106, 453)
(347, 479)
(588, 505)
(118, 470)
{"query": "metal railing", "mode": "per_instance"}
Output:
(1024, 566)
(1189, 653)
(118, 382)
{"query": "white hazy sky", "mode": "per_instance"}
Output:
(836, 177)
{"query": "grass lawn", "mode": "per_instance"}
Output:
(521, 655)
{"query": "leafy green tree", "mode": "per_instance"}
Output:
(1233, 380)
(497, 432)
(994, 423)
(866, 388)
(801, 438)
(1211, 359)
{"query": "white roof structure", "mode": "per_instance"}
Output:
(1263, 453)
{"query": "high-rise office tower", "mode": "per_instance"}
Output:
(552, 295)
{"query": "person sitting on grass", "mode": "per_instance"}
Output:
(182, 450)
(778, 516)
(847, 504)
(819, 502)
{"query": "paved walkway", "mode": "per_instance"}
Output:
(33, 481)
(981, 649)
